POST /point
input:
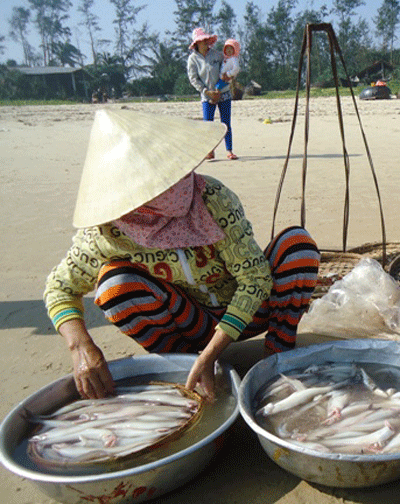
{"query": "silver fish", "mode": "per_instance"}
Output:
(93, 431)
(341, 411)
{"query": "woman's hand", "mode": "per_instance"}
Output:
(202, 372)
(92, 377)
(213, 95)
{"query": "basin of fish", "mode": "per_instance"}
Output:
(120, 461)
(334, 407)
(329, 413)
(109, 431)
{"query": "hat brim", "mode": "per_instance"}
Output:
(133, 157)
(212, 38)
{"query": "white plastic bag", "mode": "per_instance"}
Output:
(365, 303)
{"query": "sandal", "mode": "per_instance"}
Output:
(210, 155)
(232, 156)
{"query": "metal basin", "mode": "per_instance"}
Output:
(330, 469)
(139, 483)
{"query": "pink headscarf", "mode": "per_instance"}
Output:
(176, 218)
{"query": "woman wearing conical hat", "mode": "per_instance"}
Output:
(170, 254)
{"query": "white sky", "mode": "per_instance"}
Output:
(158, 13)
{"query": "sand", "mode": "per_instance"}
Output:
(42, 150)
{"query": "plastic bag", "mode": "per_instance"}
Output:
(364, 303)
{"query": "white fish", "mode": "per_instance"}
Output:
(375, 438)
(371, 385)
(393, 445)
(358, 416)
(337, 401)
(293, 400)
(93, 430)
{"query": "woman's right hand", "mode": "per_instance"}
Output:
(92, 377)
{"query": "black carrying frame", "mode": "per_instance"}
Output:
(334, 50)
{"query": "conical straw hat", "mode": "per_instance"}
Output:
(133, 157)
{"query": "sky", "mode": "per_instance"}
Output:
(158, 13)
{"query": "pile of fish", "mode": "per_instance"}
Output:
(331, 408)
(135, 419)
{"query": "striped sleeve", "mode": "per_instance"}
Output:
(63, 312)
(234, 322)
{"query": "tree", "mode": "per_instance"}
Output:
(280, 22)
(280, 32)
(226, 21)
(386, 22)
(66, 54)
(142, 44)
(165, 66)
(90, 21)
(108, 73)
(351, 36)
(19, 21)
(345, 9)
(254, 38)
(2, 39)
(125, 18)
(320, 56)
(191, 14)
(49, 20)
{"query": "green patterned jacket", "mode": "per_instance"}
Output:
(234, 270)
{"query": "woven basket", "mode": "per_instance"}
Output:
(335, 265)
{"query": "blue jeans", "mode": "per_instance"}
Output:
(225, 116)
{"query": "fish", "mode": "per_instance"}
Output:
(364, 441)
(295, 399)
(337, 401)
(331, 410)
(133, 421)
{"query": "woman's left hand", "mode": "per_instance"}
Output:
(202, 372)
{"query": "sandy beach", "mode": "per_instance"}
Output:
(42, 150)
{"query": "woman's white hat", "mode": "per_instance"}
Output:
(133, 157)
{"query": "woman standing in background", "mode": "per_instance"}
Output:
(204, 65)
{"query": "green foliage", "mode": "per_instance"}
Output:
(146, 86)
(270, 44)
(387, 22)
(108, 75)
(15, 86)
(65, 53)
(226, 21)
(125, 19)
(19, 30)
(50, 18)
(165, 66)
(182, 86)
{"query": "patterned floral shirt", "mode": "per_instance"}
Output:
(234, 270)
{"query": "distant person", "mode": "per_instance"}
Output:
(230, 67)
(204, 66)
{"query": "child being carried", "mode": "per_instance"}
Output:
(230, 67)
